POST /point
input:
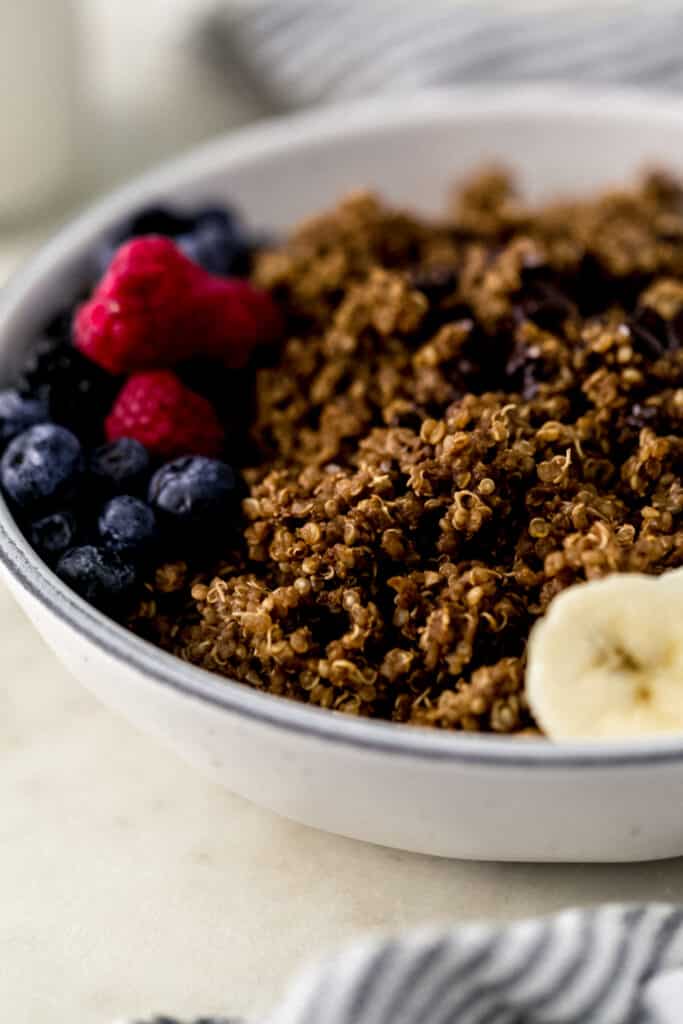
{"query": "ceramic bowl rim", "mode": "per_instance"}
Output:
(256, 142)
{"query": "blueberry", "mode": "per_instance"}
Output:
(214, 237)
(18, 412)
(127, 526)
(77, 392)
(120, 466)
(41, 465)
(99, 576)
(52, 535)
(217, 242)
(194, 492)
(151, 220)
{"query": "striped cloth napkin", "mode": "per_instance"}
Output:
(609, 965)
(294, 53)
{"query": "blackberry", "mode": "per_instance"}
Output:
(77, 392)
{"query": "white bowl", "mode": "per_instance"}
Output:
(455, 795)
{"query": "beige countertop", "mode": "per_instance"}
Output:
(128, 884)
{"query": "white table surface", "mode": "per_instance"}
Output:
(128, 884)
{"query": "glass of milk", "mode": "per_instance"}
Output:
(38, 55)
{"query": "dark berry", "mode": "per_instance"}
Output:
(649, 332)
(194, 492)
(217, 242)
(99, 576)
(127, 525)
(214, 237)
(59, 326)
(653, 335)
(151, 220)
(230, 391)
(436, 281)
(547, 306)
(41, 465)
(52, 535)
(157, 220)
(77, 392)
(675, 331)
(120, 467)
(18, 412)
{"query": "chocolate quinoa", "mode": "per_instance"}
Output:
(466, 418)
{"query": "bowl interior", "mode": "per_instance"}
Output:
(410, 149)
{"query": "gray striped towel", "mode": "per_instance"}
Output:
(294, 53)
(609, 965)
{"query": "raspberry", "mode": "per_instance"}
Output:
(156, 409)
(154, 307)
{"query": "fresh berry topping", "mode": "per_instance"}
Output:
(40, 465)
(194, 493)
(127, 525)
(75, 390)
(151, 220)
(17, 413)
(158, 410)
(99, 576)
(120, 467)
(154, 308)
(214, 237)
(218, 242)
(53, 535)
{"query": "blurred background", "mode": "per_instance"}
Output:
(93, 91)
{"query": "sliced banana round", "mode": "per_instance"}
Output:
(606, 661)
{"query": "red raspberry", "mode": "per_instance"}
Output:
(156, 409)
(154, 308)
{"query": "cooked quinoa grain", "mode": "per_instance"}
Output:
(466, 418)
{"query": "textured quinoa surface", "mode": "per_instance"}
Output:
(465, 418)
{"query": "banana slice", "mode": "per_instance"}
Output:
(606, 661)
